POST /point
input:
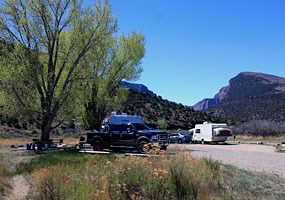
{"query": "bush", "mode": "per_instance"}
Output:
(194, 179)
(260, 128)
(4, 173)
(162, 124)
(106, 177)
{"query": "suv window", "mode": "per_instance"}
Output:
(198, 131)
(120, 128)
(140, 126)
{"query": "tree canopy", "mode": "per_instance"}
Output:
(52, 50)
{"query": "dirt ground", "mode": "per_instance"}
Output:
(20, 188)
(260, 158)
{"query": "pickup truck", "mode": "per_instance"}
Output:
(125, 131)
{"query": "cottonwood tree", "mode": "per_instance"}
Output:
(45, 44)
(118, 59)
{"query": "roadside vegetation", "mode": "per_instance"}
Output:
(244, 184)
(260, 128)
(280, 148)
(66, 175)
(4, 174)
(251, 138)
(71, 175)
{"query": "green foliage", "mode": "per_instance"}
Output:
(119, 59)
(58, 59)
(162, 124)
(260, 128)
(42, 160)
(245, 184)
(4, 174)
(68, 175)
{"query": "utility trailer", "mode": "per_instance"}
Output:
(210, 132)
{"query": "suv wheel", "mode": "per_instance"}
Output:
(97, 145)
(141, 146)
(179, 141)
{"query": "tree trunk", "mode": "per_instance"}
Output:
(45, 128)
(94, 116)
(95, 113)
(91, 117)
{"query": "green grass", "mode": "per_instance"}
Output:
(71, 175)
(244, 184)
(4, 174)
(48, 159)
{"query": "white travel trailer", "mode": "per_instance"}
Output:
(210, 132)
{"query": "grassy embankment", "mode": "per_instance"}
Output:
(4, 174)
(273, 139)
(66, 175)
(71, 175)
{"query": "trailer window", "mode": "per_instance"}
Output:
(198, 131)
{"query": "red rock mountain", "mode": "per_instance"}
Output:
(249, 95)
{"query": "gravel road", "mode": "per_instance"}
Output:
(259, 158)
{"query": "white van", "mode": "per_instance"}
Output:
(210, 132)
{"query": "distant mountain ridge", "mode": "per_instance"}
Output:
(249, 95)
(138, 88)
(154, 108)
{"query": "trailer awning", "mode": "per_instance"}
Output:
(223, 132)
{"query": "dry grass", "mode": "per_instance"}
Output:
(23, 141)
(14, 141)
(261, 138)
(64, 175)
(244, 184)
(4, 184)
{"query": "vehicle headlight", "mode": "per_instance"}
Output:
(154, 137)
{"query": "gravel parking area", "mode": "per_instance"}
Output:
(259, 158)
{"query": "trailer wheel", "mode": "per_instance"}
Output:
(97, 145)
(202, 141)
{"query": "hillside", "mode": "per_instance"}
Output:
(249, 96)
(140, 101)
(138, 88)
(154, 108)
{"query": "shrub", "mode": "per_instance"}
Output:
(162, 124)
(47, 189)
(69, 176)
(260, 128)
(192, 178)
(4, 173)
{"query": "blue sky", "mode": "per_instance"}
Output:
(193, 47)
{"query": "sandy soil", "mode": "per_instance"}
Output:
(20, 188)
(254, 157)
